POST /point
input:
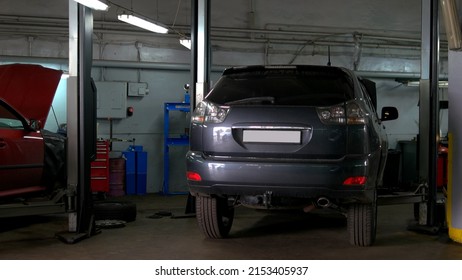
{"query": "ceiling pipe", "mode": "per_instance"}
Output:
(182, 67)
(56, 31)
(14, 28)
(31, 22)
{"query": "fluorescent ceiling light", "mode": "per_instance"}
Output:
(441, 84)
(94, 4)
(413, 83)
(452, 24)
(142, 23)
(186, 43)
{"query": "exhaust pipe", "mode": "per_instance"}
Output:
(323, 202)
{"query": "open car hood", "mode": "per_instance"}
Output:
(29, 89)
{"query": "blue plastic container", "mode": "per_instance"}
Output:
(136, 168)
(141, 179)
(130, 183)
(141, 162)
(130, 162)
(135, 148)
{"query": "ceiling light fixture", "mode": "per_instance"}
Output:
(94, 4)
(186, 42)
(451, 24)
(143, 23)
(441, 84)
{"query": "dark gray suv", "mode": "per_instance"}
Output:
(277, 137)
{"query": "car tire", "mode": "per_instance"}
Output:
(114, 210)
(362, 224)
(214, 216)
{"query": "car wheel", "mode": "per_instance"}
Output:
(362, 223)
(114, 210)
(214, 216)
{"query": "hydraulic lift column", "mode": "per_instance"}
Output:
(81, 128)
(200, 62)
(428, 110)
(200, 50)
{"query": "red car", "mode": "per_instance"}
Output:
(27, 153)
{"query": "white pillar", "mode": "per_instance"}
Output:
(454, 196)
(72, 108)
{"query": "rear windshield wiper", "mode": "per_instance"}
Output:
(253, 101)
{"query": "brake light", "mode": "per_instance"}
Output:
(208, 112)
(193, 176)
(355, 181)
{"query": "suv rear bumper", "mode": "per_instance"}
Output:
(284, 178)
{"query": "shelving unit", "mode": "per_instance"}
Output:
(172, 141)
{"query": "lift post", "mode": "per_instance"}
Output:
(201, 61)
(425, 196)
(81, 126)
(428, 118)
(200, 50)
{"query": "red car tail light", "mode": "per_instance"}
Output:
(193, 176)
(355, 181)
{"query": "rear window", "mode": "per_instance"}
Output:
(321, 86)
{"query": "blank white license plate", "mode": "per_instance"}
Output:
(272, 136)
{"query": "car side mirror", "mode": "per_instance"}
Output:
(35, 125)
(389, 113)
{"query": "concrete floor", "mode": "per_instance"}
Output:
(255, 235)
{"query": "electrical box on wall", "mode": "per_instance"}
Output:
(137, 89)
(111, 100)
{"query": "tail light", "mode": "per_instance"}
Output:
(350, 113)
(193, 176)
(355, 181)
(355, 115)
(332, 115)
(208, 112)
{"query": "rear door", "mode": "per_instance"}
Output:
(272, 131)
(21, 154)
(277, 113)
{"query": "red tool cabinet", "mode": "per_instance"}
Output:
(100, 168)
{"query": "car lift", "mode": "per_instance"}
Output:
(425, 195)
(76, 199)
(81, 125)
(201, 59)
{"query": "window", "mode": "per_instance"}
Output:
(284, 87)
(8, 120)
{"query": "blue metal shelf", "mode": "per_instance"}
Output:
(172, 141)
